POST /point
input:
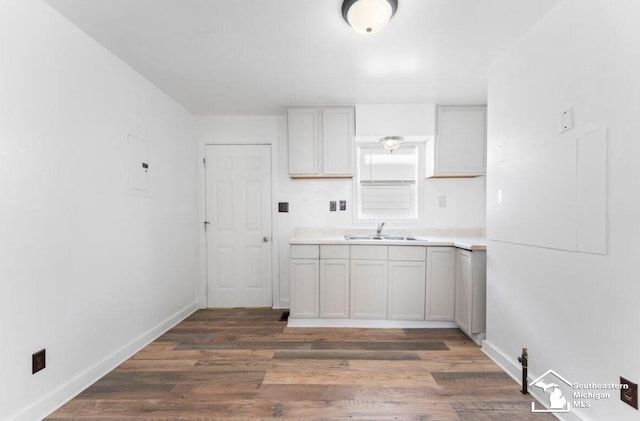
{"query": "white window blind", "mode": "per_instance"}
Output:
(390, 201)
(387, 182)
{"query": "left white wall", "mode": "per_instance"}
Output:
(87, 272)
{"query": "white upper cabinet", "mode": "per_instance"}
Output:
(303, 131)
(459, 147)
(321, 141)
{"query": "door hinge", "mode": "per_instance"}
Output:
(204, 161)
(205, 223)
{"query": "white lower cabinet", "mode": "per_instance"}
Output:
(304, 270)
(334, 288)
(411, 283)
(440, 284)
(406, 283)
(406, 290)
(368, 289)
(470, 293)
(305, 277)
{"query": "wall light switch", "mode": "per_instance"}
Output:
(566, 120)
(283, 207)
(332, 206)
(442, 201)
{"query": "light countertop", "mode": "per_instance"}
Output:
(465, 239)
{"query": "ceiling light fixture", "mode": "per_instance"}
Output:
(391, 143)
(368, 16)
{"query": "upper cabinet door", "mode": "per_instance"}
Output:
(459, 148)
(303, 131)
(337, 139)
(321, 141)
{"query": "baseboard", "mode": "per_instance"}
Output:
(58, 397)
(513, 369)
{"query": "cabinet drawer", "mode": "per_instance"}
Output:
(304, 251)
(369, 252)
(334, 252)
(408, 253)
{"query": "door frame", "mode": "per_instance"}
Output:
(202, 240)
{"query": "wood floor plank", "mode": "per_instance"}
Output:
(157, 365)
(307, 392)
(345, 355)
(355, 409)
(245, 364)
(426, 366)
(382, 346)
(349, 377)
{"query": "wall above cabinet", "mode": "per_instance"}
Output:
(321, 141)
(459, 147)
(378, 120)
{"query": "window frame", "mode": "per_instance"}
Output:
(358, 217)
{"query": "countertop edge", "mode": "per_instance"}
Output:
(467, 244)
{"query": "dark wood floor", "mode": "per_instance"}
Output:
(246, 364)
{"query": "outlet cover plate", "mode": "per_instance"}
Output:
(38, 361)
(566, 120)
(630, 395)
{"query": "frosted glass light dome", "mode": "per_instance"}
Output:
(391, 143)
(368, 16)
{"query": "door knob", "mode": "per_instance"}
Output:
(265, 239)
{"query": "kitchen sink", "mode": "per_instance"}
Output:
(379, 238)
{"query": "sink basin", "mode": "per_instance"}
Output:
(361, 237)
(379, 238)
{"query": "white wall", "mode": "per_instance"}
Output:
(569, 308)
(87, 272)
(309, 199)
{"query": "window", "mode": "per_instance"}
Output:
(387, 183)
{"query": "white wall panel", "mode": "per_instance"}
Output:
(574, 191)
(591, 192)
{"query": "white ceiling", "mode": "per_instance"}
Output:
(256, 56)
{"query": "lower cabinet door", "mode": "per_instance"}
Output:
(406, 290)
(368, 289)
(441, 278)
(334, 288)
(305, 300)
(463, 290)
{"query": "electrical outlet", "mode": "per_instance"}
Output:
(38, 361)
(630, 394)
(343, 205)
(332, 206)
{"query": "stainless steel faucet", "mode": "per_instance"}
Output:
(379, 229)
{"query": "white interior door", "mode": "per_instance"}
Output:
(238, 188)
